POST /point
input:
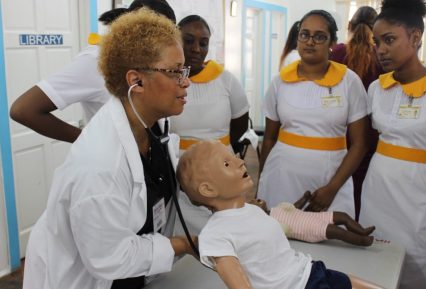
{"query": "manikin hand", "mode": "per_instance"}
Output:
(321, 199)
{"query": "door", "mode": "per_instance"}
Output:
(263, 40)
(252, 62)
(40, 37)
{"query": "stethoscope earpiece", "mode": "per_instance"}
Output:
(163, 138)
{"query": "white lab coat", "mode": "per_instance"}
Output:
(87, 236)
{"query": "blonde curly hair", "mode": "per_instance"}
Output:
(136, 40)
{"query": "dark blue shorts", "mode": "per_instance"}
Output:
(323, 278)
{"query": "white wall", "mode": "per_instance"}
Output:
(212, 12)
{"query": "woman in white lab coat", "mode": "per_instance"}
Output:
(77, 82)
(110, 212)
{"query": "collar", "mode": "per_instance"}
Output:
(211, 71)
(94, 39)
(332, 77)
(414, 89)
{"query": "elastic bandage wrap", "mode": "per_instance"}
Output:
(306, 226)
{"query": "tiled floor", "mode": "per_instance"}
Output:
(14, 280)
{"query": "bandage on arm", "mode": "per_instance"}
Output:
(306, 226)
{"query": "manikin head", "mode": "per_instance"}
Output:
(212, 176)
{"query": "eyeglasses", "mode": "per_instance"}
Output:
(180, 74)
(316, 38)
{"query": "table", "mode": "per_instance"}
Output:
(380, 263)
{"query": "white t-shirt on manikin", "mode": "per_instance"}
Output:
(259, 244)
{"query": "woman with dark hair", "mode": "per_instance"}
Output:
(217, 105)
(359, 54)
(290, 53)
(78, 82)
(159, 6)
(309, 107)
(394, 190)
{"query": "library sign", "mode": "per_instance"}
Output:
(41, 39)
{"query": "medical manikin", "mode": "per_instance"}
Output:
(240, 241)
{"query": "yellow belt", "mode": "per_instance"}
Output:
(314, 143)
(187, 142)
(401, 153)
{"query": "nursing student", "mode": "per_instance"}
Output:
(78, 82)
(217, 107)
(394, 190)
(110, 214)
(308, 108)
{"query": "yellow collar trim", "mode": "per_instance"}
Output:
(211, 71)
(332, 77)
(94, 39)
(416, 88)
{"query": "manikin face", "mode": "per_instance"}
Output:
(227, 173)
(395, 44)
(166, 96)
(310, 51)
(196, 39)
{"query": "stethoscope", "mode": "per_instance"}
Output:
(163, 139)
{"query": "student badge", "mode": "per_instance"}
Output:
(407, 111)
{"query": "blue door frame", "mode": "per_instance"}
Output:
(6, 148)
(7, 163)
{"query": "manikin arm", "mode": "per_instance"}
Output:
(231, 272)
(358, 283)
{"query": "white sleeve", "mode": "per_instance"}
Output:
(79, 81)
(214, 243)
(371, 91)
(108, 247)
(357, 98)
(237, 95)
(270, 103)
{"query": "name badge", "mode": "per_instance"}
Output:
(159, 215)
(409, 111)
(331, 101)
